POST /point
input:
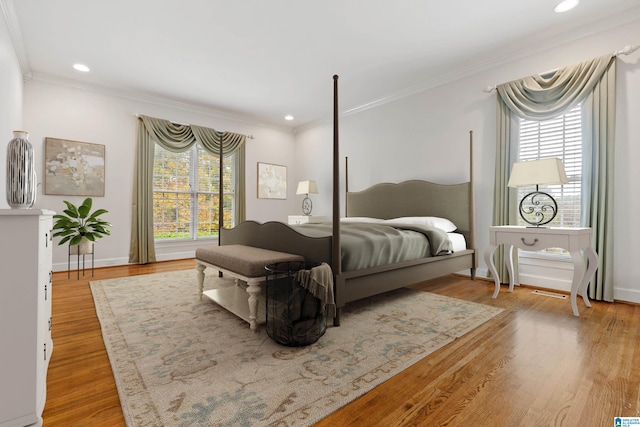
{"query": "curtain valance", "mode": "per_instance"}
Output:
(539, 97)
(178, 137)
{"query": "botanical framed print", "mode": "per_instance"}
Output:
(272, 181)
(73, 168)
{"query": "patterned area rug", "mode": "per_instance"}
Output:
(180, 360)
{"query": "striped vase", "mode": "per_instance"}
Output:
(21, 173)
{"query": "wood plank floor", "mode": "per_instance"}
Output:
(533, 365)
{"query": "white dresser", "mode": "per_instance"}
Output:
(25, 314)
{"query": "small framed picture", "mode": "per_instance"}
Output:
(272, 181)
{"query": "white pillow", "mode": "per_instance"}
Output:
(433, 221)
(360, 219)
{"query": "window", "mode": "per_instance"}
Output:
(558, 137)
(185, 194)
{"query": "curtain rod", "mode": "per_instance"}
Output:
(187, 124)
(627, 50)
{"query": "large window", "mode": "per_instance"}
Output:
(559, 137)
(185, 194)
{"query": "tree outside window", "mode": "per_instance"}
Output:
(185, 194)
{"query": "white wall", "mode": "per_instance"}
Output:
(425, 136)
(10, 102)
(81, 114)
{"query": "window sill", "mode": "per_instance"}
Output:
(186, 242)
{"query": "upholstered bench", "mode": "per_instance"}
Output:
(244, 263)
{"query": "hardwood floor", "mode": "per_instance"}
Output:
(533, 365)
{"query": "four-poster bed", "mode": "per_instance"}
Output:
(383, 201)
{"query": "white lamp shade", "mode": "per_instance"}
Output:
(307, 187)
(538, 172)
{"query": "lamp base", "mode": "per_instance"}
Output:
(306, 205)
(538, 208)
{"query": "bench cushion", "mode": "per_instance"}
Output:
(245, 260)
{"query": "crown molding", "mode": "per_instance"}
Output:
(491, 62)
(15, 33)
(138, 96)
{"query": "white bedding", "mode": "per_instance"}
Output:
(457, 240)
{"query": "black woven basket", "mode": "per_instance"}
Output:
(294, 315)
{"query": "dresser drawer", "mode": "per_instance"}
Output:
(533, 241)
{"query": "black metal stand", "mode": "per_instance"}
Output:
(93, 249)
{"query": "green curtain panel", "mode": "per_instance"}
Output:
(542, 97)
(505, 198)
(177, 138)
(142, 249)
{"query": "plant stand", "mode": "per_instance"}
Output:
(79, 250)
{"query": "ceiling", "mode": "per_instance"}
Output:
(261, 60)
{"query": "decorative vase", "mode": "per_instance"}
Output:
(21, 172)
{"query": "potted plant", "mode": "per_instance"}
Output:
(80, 227)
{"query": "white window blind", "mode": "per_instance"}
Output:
(185, 194)
(559, 137)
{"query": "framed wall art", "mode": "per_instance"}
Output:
(73, 168)
(272, 181)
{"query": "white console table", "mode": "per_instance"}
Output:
(575, 240)
(304, 219)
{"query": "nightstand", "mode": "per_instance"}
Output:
(575, 240)
(303, 219)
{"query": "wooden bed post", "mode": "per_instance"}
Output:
(220, 197)
(336, 256)
(337, 268)
(472, 210)
(346, 186)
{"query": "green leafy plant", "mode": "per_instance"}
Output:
(78, 222)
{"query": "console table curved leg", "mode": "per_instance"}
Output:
(488, 259)
(509, 258)
(579, 275)
(592, 256)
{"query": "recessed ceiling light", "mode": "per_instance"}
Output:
(81, 67)
(566, 6)
(289, 117)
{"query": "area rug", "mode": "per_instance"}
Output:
(181, 360)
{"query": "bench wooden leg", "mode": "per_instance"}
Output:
(253, 290)
(200, 268)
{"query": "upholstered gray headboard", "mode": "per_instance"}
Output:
(416, 198)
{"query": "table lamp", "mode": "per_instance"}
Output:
(306, 188)
(538, 208)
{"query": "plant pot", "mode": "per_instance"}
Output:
(84, 247)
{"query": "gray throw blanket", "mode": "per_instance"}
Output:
(319, 282)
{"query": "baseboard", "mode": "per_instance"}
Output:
(546, 282)
(175, 255)
(102, 262)
(112, 262)
(626, 295)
